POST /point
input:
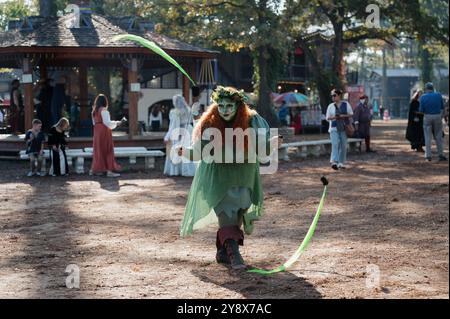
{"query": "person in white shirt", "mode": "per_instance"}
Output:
(155, 118)
(103, 160)
(339, 114)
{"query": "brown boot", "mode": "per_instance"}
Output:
(228, 240)
(236, 260)
(221, 255)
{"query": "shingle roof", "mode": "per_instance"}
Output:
(54, 32)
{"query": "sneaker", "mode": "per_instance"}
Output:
(342, 166)
(112, 174)
(428, 159)
(30, 174)
(442, 158)
(38, 174)
(334, 166)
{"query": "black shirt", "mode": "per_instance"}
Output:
(56, 138)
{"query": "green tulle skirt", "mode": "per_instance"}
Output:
(210, 188)
(225, 186)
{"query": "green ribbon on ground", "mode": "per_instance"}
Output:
(302, 246)
(154, 47)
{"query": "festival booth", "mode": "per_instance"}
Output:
(303, 116)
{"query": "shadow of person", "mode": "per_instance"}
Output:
(282, 285)
(110, 184)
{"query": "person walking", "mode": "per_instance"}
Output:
(103, 159)
(432, 107)
(338, 114)
(414, 130)
(363, 121)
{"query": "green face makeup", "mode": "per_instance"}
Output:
(227, 108)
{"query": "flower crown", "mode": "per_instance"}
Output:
(231, 93)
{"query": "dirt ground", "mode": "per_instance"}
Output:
(387, 214)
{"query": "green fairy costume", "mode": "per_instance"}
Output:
(228, 193)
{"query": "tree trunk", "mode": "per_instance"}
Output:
(264, 106)
(426, 65)
(384, 87)
(320, 77)
(47, 8)
(338, 56)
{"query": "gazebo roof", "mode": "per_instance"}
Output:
(96, 31)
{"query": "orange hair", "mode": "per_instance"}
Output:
(212, 118)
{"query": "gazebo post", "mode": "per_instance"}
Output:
(186, 83)
(132, 99)
(82, 75)
(42, 71)
(28, 92)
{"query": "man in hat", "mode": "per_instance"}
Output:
(362, 117)
(224, 189)
(432, 106)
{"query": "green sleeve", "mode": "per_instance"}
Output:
(262, 131)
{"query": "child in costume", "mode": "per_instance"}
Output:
(229, 192)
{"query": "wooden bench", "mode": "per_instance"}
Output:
(121, 152)
(315, 148)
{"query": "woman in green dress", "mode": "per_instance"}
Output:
(227, 185)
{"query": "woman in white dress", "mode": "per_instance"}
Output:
(180, 118)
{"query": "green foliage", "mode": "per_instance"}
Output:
(12, 10)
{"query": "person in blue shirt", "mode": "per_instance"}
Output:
(283, 113)
(432, 107)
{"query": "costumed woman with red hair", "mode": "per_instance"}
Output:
(229, 192)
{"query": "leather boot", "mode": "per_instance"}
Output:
(232, 249)
(228, 240)
(221, 255)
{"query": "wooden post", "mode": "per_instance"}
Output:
(43, 71)
(186, 83)
(28, 94)
(84, 102)
(132, 100)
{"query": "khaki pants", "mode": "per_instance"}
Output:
(432, 126)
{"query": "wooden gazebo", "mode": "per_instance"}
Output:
(35, 44)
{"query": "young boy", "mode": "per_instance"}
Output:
(35, 147)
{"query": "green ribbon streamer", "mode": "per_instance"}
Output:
(302, 246)
(154, 47)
